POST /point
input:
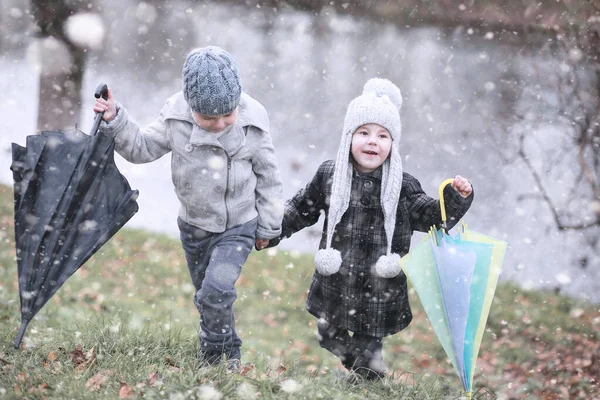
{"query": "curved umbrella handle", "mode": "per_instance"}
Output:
(101, 90)
(442, 202)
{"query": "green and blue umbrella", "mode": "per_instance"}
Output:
(455, 278)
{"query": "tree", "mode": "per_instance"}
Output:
(62, 62)
(567, 172)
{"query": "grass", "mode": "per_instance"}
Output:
(124, 325)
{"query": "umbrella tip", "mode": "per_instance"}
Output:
(20, 334)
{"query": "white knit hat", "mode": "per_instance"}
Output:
(379, 104)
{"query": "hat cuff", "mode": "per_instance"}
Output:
(223, 107)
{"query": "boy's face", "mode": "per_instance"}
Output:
(215, 123)
(371, 145)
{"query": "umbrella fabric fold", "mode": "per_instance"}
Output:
(455, 279)
(69, 199)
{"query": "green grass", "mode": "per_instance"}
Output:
(125, 325)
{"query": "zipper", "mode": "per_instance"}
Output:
(226, 190)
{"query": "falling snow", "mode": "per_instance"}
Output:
(85, 30)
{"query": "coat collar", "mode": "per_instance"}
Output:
(251, 112)
(373, 175)
(231, 142)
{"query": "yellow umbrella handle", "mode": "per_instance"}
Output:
(442, 203)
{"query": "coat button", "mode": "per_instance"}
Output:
(218, 189)
(368, 184)
(220, 220)
(192, 214)
(188, 185)
(188, 147)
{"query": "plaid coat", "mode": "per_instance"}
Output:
(355, 298)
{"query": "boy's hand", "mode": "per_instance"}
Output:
(108, 106)
(261, 243)
(462, 186)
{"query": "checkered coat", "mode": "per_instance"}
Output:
(355, 298)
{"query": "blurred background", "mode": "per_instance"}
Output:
(505, 93)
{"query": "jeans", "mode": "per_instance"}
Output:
(215, 262)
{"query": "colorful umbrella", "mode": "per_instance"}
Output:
(455, 279)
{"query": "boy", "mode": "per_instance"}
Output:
(225, 175)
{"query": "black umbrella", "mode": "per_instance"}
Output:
(70, 198)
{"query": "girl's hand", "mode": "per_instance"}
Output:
(462, 186)
(261, 243)
(107, 106)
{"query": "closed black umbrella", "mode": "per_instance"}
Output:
(69, 199)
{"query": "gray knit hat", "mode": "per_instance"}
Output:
(211, 83)
(380, 104)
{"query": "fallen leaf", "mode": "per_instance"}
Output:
(22, 377)
(155, 378)
(246, 368)
(126, 391)
(52, 356)
(96, 381)
(281, 369)
(77, 356)
(90, 353)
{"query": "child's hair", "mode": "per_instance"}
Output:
(379, 104)
(211, 83)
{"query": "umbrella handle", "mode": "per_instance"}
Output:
(101, 90)
(442, 202)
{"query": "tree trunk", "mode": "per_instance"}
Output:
(62, 65)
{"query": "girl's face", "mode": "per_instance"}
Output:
(371, 145)
(215, 123)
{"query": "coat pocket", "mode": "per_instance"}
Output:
(240, 176)
(180, 173)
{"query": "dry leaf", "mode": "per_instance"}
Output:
(52, 356)
(155, 378)
(22, 377)
(77, 356)
(126, 391)
(96, 381)
(246, 368)
(281, 369)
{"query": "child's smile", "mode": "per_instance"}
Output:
(371, 144)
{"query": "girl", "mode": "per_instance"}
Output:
(358, 291)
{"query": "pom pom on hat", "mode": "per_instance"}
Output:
(379, 104)
(211, 82)
(388, 266)
(328, 261)
(384, 87)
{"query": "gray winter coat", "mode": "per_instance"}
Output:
(220, 182)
